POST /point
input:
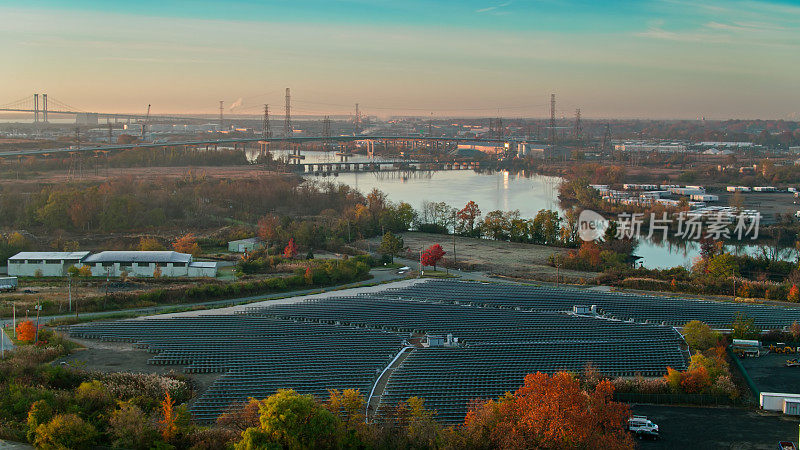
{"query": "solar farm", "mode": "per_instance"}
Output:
(493, 334)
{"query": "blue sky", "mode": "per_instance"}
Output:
(661, 59)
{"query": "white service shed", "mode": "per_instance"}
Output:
(46, 264)
(245, 245)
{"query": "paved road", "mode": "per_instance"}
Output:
(379, 275)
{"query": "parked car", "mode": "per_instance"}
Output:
(643, 427)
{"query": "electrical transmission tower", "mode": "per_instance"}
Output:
(606, 143)
(357, 122)
(578, 125)
(287, 124)
(553, 119)
(266, 130)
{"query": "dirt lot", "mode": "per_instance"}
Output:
(143, 173)
(122, 357)
(509, 259)
(731, 428)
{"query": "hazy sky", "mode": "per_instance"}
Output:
(659, 59)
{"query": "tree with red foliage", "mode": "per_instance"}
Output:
(550, 412)
(290, 251)
(432, 255)
(26, 331)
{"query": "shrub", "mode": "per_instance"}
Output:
(129, 427)
(65, 431)
(41, 412)
(92, 397)
(700, 336)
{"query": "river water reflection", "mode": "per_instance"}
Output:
(495, 190)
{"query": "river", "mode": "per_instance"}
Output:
(527, 192)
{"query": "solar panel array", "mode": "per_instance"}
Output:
(674, 311)
(257, 355)
(504, 332)
(449, 379)
(471, 324)
(498, 346)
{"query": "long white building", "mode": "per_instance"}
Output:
(44, 264)
(110, 263)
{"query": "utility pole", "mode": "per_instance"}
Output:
(38, 309)
(455, 260)
(287, 123)
(69, 287)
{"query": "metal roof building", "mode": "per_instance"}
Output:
(45, 264)
(141, 257)
(147, 264)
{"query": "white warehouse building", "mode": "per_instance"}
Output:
(45, 264)
(110, 263)
(143, 264)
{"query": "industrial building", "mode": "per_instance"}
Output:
(650, 147)
(44, 264)
(110, 263)
(144, 264)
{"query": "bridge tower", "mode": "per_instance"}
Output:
(44, 108)
(326, 134)
(36, 108)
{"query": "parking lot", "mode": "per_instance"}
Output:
(731, 428)
(770, 375)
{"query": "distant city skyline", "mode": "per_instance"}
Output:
(665, 59)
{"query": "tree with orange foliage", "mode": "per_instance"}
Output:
(169, 427)
(269, 228)
(468, 216)
(290, 251)
(187, 244)
(590, 253)
(794, 294)
(696, 381)
(26, 331)
(550, 412)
